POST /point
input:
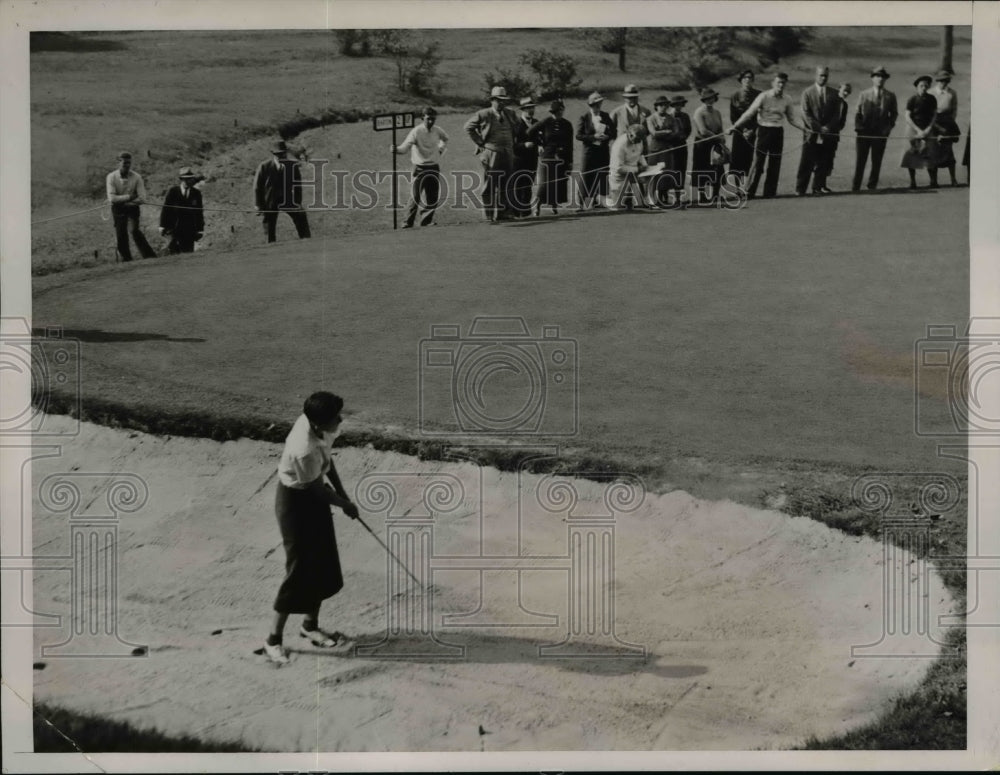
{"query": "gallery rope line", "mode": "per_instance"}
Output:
(719, 136)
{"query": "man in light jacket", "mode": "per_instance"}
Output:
(820, 112)
(492, 130)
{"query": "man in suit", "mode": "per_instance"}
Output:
(820, 107)
(277, 189)
(126, 192)
(631, 113)
(492, 130)
(182, 216)
(595, 130)
(874, 119)
(843, 92)
(525, 164)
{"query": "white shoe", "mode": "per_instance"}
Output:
(277, 653)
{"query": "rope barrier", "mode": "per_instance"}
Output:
(721, 135)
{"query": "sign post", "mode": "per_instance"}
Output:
(393, 121)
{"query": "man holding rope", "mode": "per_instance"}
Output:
(771, 108)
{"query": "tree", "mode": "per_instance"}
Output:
(617, 39)
(702, 52)
(947, 46)
(555, 74)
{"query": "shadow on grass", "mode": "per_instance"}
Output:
(97, 336)
(64, 41)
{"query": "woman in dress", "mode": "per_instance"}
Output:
(706, 171)
(554, 137)
(680, 153)
(661, 137)
(922, 151)
(947, 127)
(595, 131)
(302, 505)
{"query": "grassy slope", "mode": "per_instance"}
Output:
(69, 102)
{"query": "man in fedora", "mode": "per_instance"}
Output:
(277, 189)
(821, 112)
(126, 192)
(596, 131)
(492, 130)
(425, 142)
(874, 119)
(525, 165)
(182, 216)
(630, 113)
(771, 108)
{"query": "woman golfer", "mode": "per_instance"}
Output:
(312, 564)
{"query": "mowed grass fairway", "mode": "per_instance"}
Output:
(781, 332)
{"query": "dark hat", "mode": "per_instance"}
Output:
(678, 100)
(594, 98)
(743, 74)
(664, 100)
(125, 155)
(557, 104)
(186, 173)
(781, 76)
(925, 78)
(429, 111)
(527, 102)
(943, 75)
(879, 71)
(708, 94)
(280, 147)
(631, 91)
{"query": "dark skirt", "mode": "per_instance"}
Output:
(703, 172)
(312, 563)
(594, 175)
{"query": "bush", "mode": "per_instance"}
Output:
(516, 84)
(702, 53)
(421, 75)
(555, 74)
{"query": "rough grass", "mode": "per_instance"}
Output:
(58, 730)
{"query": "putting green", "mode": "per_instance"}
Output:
(783, 331)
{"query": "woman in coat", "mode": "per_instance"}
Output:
(595, 131)
(706, 172)
(554, 137)
(921, 154)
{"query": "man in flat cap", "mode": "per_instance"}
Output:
(821, 111)
(525, 165)
(126, 192)
(425, 142)
(874, 119)
(743, 141)
(182, 216)
(492, 131)
(277, 188)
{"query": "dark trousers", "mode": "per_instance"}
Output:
(816, 163)
(767, 151)
(522, 185)
(877, 148)
(425, 192)
(126, 220)
(298, 218)
(181, 243)
(742, 154)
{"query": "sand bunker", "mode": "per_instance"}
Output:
(559, 614)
